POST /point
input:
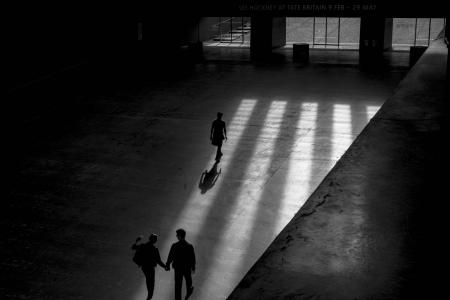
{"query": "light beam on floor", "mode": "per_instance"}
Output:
(231, 247)
(341, 137)
(298, 179)
(371, 110)
(198, 205)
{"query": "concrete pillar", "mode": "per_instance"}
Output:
(267, 33)
(447, 41)
(388, 32)
(278, 32)
(375, 36)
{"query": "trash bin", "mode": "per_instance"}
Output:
(415, 52)
(300, 52)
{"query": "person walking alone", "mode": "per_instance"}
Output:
(218, 134)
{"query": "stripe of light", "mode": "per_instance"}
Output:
(341, 137)
(298, 178)
(231, 249)
(193, 217)
(371, 110)
(198, 205)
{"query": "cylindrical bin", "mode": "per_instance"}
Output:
(300, 52)
(415, 52)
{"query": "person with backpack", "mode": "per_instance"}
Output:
(147, 256)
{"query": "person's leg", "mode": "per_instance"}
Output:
(149, 273)
(178, 283)
(189, 287)
(219, 151)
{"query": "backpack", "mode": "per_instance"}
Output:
(139, 256)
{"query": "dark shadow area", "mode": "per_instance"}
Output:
(80, 115)
(208, 178)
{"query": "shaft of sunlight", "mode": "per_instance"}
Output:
(198, 205)
(231, 247)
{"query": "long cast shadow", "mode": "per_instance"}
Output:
(209, 178)
(223, 203)
(182, 205)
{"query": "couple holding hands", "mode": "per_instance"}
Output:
(181, 256)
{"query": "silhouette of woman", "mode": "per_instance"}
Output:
(208, 179)
(218, 134)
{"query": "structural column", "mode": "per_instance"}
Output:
(267, 33)
(375, 36)
(447, 41)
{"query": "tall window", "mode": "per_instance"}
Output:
(230, 31)
(334, 33)
(409, 32)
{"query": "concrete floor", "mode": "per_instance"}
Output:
(128, 162)
(369, 231)
(391, 59)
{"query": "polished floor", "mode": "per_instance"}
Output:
(130, 164)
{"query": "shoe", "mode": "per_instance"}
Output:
(189, 293)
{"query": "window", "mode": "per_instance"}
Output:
(231, 31)
(409, 32)
(334, 33)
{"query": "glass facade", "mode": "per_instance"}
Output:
(333, 33)
(230, 31)
(409, 32)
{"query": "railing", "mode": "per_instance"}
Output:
(232, 30)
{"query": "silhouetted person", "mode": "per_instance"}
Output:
(208, 179)
(182, 258)
(218, 134)
(147, 256)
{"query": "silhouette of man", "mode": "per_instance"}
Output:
(208, 179)
(147, 256)
(218, 134)
(182, 258)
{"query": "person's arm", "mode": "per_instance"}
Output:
(225, 130)
(135, 245)
(201, 179)
(158, 259)
(216, 176)
(169, 258)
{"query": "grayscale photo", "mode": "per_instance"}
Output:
(225, 150)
